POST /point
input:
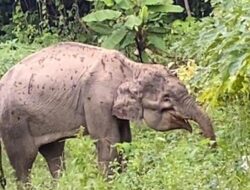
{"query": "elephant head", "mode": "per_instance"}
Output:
(159, 97)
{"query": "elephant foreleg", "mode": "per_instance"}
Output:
(105, 131)
(54, 156)
(106, 153)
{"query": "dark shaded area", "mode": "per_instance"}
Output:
(199, 8)
(6, 9)
(7, 6)
(83, 7)
(79, 8)
(28, 5)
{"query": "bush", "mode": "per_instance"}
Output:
(220, 46)
(132, 25)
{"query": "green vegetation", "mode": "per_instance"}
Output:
(220, 45)
(213, 59)
(124, 21)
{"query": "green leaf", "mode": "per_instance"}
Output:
(125, 4)
(115, 38)
(166, 8)
(128, 40)
(133, 21)
(100, 28)
(235, 66)
(157, 30)
(102, 15)
(145, 57)
(153, 2)
(144, 14)
(157, 42)
(109, 3)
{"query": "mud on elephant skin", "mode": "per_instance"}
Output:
(50, 94)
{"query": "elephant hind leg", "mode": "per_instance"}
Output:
(22, 162)
(54, 156)
(21, 151)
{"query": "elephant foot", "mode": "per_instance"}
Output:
(106, 168)
(23, 186)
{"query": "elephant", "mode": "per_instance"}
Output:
(50, 95)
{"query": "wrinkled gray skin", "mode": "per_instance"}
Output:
(50, 94)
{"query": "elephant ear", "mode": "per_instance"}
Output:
(127, 104)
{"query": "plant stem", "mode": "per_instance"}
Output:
(187, 7)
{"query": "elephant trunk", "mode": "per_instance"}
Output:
(205, 123)
(196, 114)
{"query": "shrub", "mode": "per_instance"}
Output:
(220, 46)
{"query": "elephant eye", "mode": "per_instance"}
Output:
(166, 98)
(167, 109)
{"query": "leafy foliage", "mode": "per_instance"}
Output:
(173, 160)
(11, 53)
(64, 22)
(220, 44)
(132, 24)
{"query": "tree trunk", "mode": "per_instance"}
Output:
(187, 7)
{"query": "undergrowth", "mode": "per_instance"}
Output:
(171, 160)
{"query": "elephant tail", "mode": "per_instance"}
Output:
(2, 177)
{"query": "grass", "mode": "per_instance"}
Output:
(173, 160)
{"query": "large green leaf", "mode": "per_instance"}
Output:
(157, 42)
(109, 3)
(238, 63)
(128, 40)
(166, 8)
(133, 21)
(125, 4)
(153, 2)
(115, 38)
(102, 15)
(100, 28)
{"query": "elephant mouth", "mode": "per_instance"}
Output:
(187, 126)
(183, 122)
